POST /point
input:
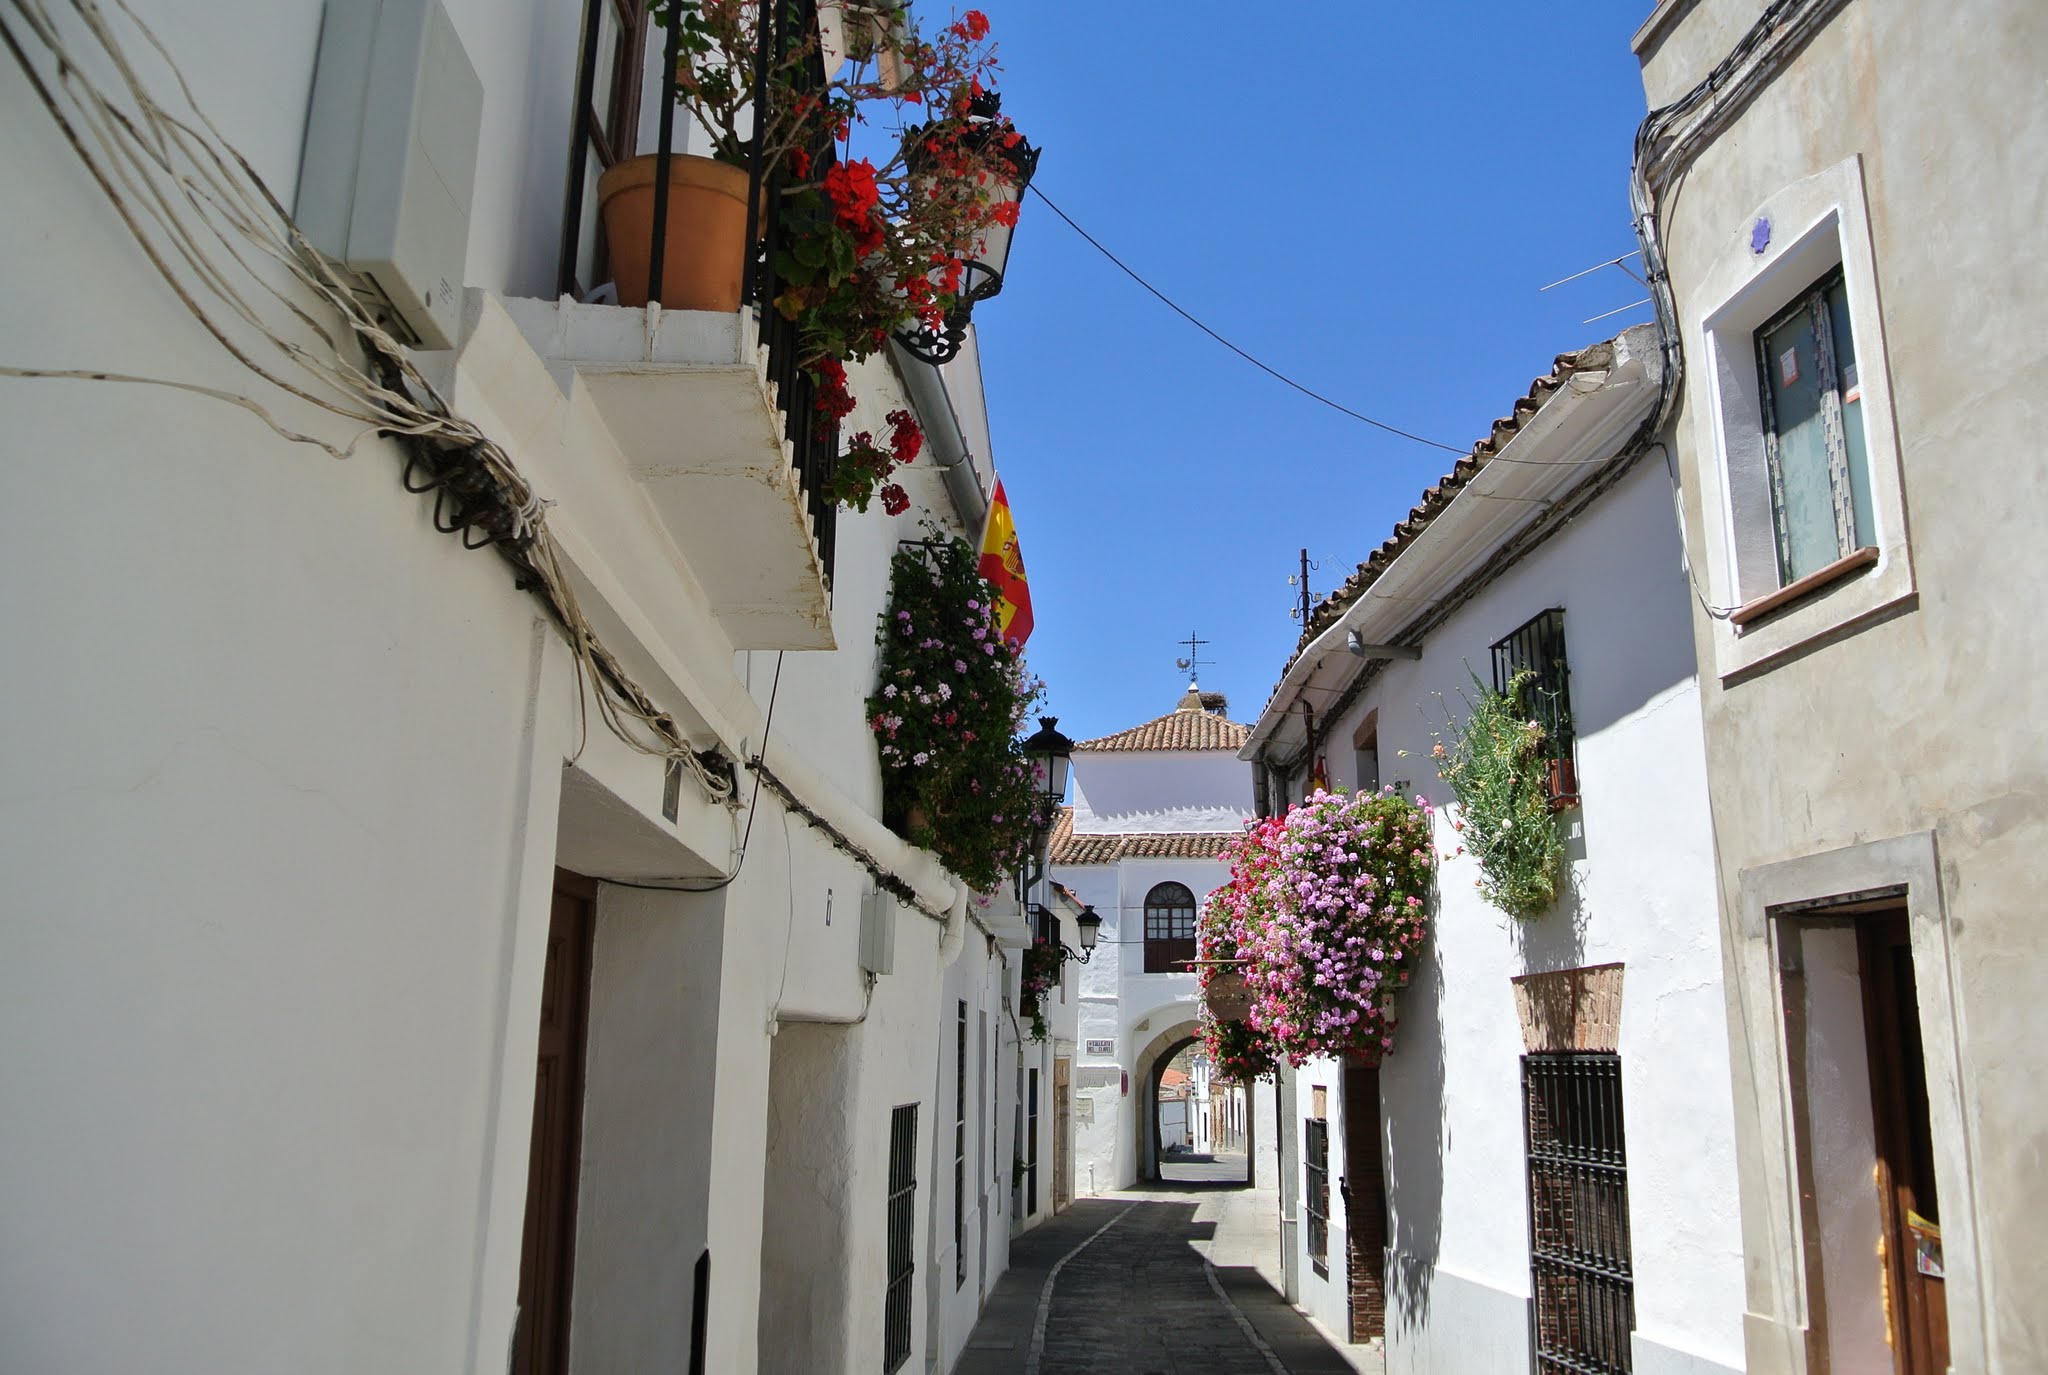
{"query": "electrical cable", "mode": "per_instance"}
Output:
(1262, 366)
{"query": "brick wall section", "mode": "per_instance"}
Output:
(1571, 1009)
(1365, 1205)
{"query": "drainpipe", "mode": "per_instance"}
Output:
(942, 435)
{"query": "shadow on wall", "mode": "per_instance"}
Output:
(1557, 939)
(1412, 1094)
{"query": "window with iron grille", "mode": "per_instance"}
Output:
(1316, 1197)
(1536, 649)
(1031, 1148)
(1579, 1257)
(1169, 929)
(960, 1147)
(902, 1236)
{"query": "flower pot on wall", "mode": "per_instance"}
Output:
(1564, 784)
(704, 253)
(1228, 998)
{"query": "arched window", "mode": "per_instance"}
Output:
(1169, 929)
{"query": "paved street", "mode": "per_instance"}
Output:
(1170, 1280)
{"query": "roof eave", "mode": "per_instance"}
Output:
(1557, 448)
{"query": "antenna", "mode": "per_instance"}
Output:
(1300, 580)
(1622, 263)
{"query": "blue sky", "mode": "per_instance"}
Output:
(1367, 196)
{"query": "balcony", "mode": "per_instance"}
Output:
(693, 402)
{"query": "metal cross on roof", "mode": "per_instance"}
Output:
(1192, 665)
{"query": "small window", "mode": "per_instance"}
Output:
(1169, 929)
(1316, 1197)
(1814, 447)
(902, 1236)
(960, 1146)
(1365, 754)
(1534, 657)
(607, 126)
(1581, 1265)
(1031, 1146)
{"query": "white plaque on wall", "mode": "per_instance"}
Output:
(1102, 1047)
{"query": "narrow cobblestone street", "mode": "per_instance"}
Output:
(1173, 1279)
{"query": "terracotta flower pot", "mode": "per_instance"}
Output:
(705, 248)
(1228, 998)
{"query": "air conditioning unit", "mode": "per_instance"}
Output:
(877, 932)
(389, 162)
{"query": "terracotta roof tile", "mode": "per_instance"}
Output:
(1183, 729)
(1069, 848)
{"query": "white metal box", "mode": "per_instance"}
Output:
(877, 932)
(390, 156)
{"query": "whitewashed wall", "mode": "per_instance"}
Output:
(1643, 894)
(288, 774)
(1138, 791)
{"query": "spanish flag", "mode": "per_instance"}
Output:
(1003, 565)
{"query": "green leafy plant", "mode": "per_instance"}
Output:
(1497, 762)
(1042, 964)
(952, 696)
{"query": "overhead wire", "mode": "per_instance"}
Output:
(1248, 357)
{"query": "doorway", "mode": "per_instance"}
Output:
(1192, 1111)
(1364, 1187)
(1866, 1160)
(548, 1242)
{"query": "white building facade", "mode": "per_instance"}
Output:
(1543, 1167)
(1153, 808)
(422, 1020)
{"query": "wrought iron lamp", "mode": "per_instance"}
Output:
(990, 256)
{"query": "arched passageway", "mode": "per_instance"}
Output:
(1180, 1140)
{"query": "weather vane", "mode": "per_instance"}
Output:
(1192, 665)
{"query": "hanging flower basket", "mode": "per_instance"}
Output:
(1329, 910)
(1226, 995)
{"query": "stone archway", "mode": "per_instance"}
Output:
(1146, 1069)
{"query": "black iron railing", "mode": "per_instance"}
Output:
(1581, 1264)
(1315, 1203)
(785, 25)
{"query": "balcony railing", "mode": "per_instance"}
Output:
(813, 440)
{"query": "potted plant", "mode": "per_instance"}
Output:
(946, 712)
(1507, 781)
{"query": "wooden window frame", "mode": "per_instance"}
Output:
(610, 135)
(1170, 929)
(1315, 1194)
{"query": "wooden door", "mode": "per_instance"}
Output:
(1062, 1135)
(1915, 1305)
(1365, 1205)
(548, 1247)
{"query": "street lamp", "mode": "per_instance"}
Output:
(1089, 924)
(987, 259)
(1052, 755)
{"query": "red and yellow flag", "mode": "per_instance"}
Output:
(1003, 565)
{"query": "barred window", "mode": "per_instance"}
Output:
(1316, 1197)
(1532, 662)
(1579, 1257)
(1169, 928)
(902, 1236)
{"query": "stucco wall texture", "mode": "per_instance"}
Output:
(1927, 719)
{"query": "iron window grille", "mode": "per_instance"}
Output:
(614, 37)
(1580, 1263)
(1316, 1198)
(1814, 453)
(902, 1236)
(960, 1147)
(1536, 648)
(1031, 1148)
(1169, 929)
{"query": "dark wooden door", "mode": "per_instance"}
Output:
(1365, 1205)
(1916, 1306)
(548, 1248)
